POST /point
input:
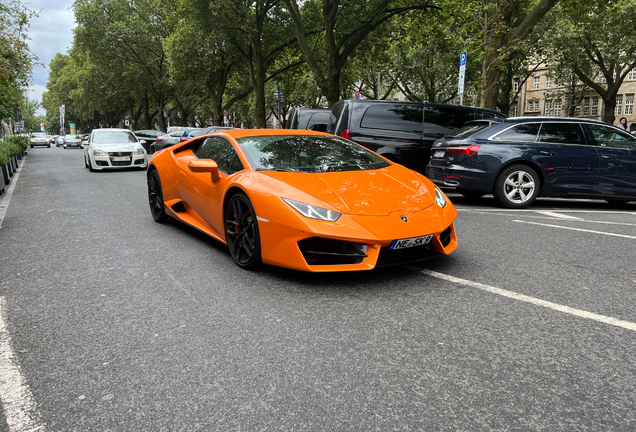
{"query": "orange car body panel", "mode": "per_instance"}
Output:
(371, 203)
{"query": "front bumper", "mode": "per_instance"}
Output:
(109, 162)
(356, 243)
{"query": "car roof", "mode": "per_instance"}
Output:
(552, 119)
(240, 133)
(110, 130)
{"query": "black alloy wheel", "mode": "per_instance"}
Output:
(517, 187)
(155, 198)
(241, 232)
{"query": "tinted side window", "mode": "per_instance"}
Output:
(562, 133)
(317, 118)
(398, 117)
(606, 136)
(335, 115)
(222, 152)
(448, 116)
(526, 132)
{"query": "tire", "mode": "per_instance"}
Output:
(241, 232)
(49, 145)
(85, 163)
(155, 198)
(31, 145)
(471, 194)
(90, 165)
(517, 187)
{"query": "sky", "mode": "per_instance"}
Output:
(50, 33)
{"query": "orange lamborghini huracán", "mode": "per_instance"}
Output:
(302, 200)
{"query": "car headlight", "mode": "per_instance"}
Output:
(99, 153)
(313, 212)
(440, 199)
(139, 151)
(32, 140)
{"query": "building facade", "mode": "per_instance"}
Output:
(541, 96)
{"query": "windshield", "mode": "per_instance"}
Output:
(114, 137)
(312, 154)
(39, 135)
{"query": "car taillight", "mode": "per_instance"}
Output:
(465, 150)
(345, 134)
(159, 139)
(184, 139)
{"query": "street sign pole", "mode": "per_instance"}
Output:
(462, 74)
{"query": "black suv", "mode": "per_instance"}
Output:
(309, 118)
(519, 159)
(402, 132)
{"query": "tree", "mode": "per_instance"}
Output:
(598, 44)
(344, 27)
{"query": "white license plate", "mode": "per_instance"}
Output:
(121, 159)
(410, 242)
(439, 153)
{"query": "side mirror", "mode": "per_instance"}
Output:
(205, 166)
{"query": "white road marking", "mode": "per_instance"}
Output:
(558, 215)
(582, 220)
(17, 401)
(577, 229)
(535, 301)
(484, 210)
(4, 205)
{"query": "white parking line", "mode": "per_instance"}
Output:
(558, 215)
(17, 401)
(577, 229)
(535, 301)
(501, 210)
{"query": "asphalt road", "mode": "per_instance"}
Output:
(116, 323)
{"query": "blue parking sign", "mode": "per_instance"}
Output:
(462, 59)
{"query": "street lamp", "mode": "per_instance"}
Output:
(279, 97)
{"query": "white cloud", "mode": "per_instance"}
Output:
(50, 33)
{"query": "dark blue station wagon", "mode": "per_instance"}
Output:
(519, 159)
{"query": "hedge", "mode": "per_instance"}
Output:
(12, 146)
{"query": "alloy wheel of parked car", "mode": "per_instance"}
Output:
(155, 198)
(517, 187)
(241, 232)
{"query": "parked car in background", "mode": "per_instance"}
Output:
(402, 132)
(114, 149)
(172, 138)
(520, 159)
(148, 135)
(309, 118)
(209, 130)
(40, 139)
(73, 140)
(59, 141)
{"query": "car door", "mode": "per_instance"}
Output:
(569, 161)
(198, 190)
(617, 152)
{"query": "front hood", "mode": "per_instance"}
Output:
(113, 148)
(368, 193)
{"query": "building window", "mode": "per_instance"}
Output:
(557, 109)
(513, 111)
(632, 74)
(548, 82)
(629, 104)
(537, 81)
(619, 106)
(577, 111)
(533, 106)
(586, 106)
(595, 106)
(515, 84)
(547, 108)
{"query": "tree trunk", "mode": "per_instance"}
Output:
(147, 124)
(492, 72)
(609, 107)
(217, 107)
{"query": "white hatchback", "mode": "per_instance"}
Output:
(114, 148)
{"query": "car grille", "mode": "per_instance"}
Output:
(445, 236)
(120, 163)
(403, 256)
(321, 251)
(117, 154)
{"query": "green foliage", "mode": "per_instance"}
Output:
(12, 146)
